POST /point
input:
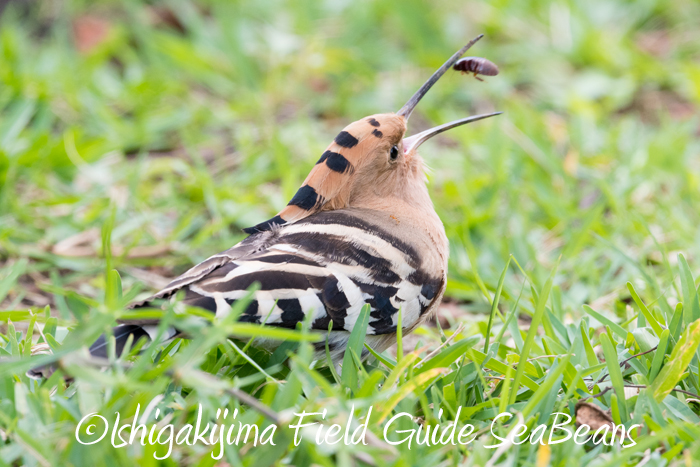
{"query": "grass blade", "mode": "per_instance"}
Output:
(545, 388)
(691, 306)
(449, 354)
(659, 356)
(532, 332)
(355, 343)
(500, 367)
(494, 305)
(615, 373)
(614, 327)
(390, 364)
(11, 273)
(658, 329)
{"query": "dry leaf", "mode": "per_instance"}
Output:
(41, 349)
(592, 415)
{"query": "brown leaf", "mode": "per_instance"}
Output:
(592, 415)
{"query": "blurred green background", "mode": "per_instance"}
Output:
(189, 121)
(173, 125)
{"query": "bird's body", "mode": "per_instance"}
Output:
(360, 230)
(329, 264)
(353, 245)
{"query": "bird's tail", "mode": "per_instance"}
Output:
(121, 334)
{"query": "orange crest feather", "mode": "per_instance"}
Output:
(327, 185)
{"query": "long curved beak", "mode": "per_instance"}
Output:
(412, 142)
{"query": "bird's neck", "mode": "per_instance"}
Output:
(410, 203)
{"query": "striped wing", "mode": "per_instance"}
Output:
(328, 265)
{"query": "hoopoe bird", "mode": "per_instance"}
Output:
(362, 229)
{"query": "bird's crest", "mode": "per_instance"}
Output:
(328, 184)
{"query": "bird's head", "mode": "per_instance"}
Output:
(370, 162)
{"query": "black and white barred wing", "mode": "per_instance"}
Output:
(250, 245)
(328, 266)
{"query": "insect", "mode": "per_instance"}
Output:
(477, 66)
(361, 230)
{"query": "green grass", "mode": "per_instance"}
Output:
(165, 140)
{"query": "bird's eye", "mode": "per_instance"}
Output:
(394, 153)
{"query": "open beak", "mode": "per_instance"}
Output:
(412, 142)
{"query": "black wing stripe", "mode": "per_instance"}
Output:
(195, 273)
(343, 219)
(268, 280)
(383, 300)
(279, 258)
(221, 271)
(192, 298)
(342, 250)
(264, 226)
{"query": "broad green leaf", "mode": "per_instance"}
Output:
(355, 342)
(615, 409)
(679, 360)
(16, 315)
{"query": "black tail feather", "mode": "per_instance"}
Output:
(99, 348)
(121, 335)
